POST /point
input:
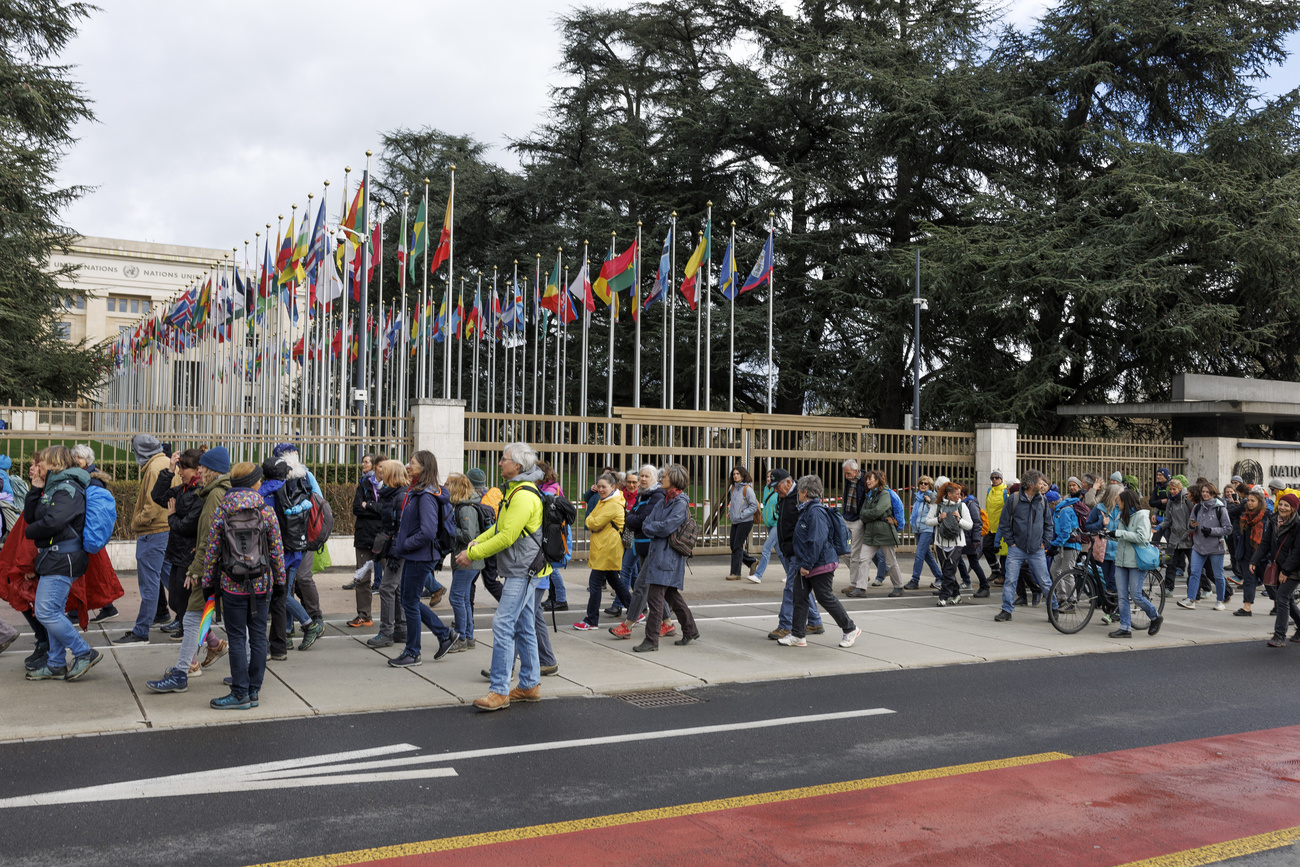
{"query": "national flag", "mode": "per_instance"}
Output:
(762, 272)
(659, 290)
(419, 239)
(443, 253)
(297, 350)
(284, 257)
(730, 277)
(581, 288)
(179, 317)
(331, 288)
(494, 325)
(474, 320)
(204, 307)
(376, 250)
(551, 297)
(692, 267)
(521, 321)
(458, 315)
(440, 322)
(316, 252)
(243, 297)
(268, 274)
(616, 274)
(568, 313)
(354, 221)
(303, 245)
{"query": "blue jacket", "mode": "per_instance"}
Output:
(417, 536)
(634, 520)
(1026, 523)
(663, 565)
(1094, 526)
(1065, 521)
(5, 464)
(920, 506)
(812, 538)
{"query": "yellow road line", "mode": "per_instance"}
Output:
(532, 832)
(1217, 852)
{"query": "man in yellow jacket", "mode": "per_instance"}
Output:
(994, 553)
(149, 521)
(516, 541)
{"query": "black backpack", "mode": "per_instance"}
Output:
(245, 548)
(295, 527)
(557, 515)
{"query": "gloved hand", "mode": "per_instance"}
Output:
(1052, 550)
(1205, 531)
(1110, 534)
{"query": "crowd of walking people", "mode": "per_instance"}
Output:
(238, 544)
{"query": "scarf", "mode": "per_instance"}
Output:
(1253, 524)
(851, 506)
(670, 494)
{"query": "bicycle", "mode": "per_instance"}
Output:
(1077, 594)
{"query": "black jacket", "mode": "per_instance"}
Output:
(635, 518)
(365, 505)
(787, 516)
(1283, 549)
(59, 518)
(182, 527)
(390, 510)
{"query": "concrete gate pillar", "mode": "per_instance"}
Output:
(995, 449)
(438, 426)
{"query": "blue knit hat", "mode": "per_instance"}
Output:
(279, 450)
(1053, 496)
(216, 459)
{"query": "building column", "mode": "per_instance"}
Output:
(438, 426)
(995, 449)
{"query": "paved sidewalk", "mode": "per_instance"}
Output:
(340, 674)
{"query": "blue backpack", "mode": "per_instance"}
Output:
(898, 508)
(101, 516)
(838, 531)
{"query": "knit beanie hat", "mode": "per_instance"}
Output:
(477, 477)
(1292, 500)
(216, 459)
(1074, 479)
(1117, 476)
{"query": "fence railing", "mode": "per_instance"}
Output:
(709, 445)
(1062, 457)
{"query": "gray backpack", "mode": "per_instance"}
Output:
(245, 548)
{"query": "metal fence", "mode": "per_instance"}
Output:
(1062, 457)
(709, 445)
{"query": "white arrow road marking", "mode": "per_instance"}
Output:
(336, 769)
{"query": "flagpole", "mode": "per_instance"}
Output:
(460, 340)
(492, 349)
(699, 316)
(513, 352)
(361, 401)
(636, 316)
(671, 325)
(292, 289)
(731, 355)
(562, 380)
(380, 390)
(771, 305)
(708, 314)
(451, 259)
(426, 361)
(582, 381)
(478, 338)
(403, 329)
(537, 315)
(609, 383)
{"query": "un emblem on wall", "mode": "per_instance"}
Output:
(1250, 471)
(130, 272)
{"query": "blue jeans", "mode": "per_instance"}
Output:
(545, 655)
(557, 585)
(595, 587)
(51, 601)
(414, 573)
(1129, 580)
(431, 581)
(881, 569)
(292, 560)
(785, 617)
(245, 620)
(768, 544)
(1037, 561)
(631, 566)
(514, 627)
(1194, 575)
(149, 550)
(461, 581)
(924, 540)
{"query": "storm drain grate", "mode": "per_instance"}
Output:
(659, 698)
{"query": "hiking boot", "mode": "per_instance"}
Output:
(982, 593)
(778, 633)
(646, 647)
(733, 577)
(614, 611)
(470, 644)
(548, 670)
(687, 639)
(231, 702)
(279, 657)
(492, 701)
(534, 694)
(815, 630)
(406, 660)
(666, 629)
(174, 681)
(437, 597)
(1272, 642)
(37, 658)
(359, 621)
(196, 670)
(310, 633)
(792, 641)
(444, 646)
(132, 638)
(83, 664)
(858, 593)
(215, 653)
(174, 626)
(108, 612)
(45, 672)
(620, 631)
(379, 641)
(458, 646)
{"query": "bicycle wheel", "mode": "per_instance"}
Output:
(1073, 600)
(1154, 585)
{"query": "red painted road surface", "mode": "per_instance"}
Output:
(1104, 809)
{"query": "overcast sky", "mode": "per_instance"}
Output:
(212, 118)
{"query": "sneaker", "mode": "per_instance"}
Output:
(359, 621)
(351, 585)
(850, 637)
(815, 630)
(162, 619)
(406, 660)
(196, 670)
(896, 592)
(754, 579)
(687, 639)
(666, 629)
(555, 606)
(956, 600)
(914, 584)
(982, 593)
(231, 702)
(1156, 623)
(1022, 601)
(310, 633)
(1219, 606)
(379, 641)
(253, 695)
(174, 681)
(37, 658)
(859, 593)
(1241, 612)
(108, 612)
(83, 664)
(215, 653)
(614, 611)
(941, 603)
(534, 694)
(1189, 604)
(1037, 599)
(280, 656)
(640, 619)
(549, 670)
(620, 631)
(1002, 616)
(46, 672)
(132, 638)
(1272, 642)
(792, 641)
(778, 633)
(492, 701)
(174, 626)
(877, 582)
(227, 680)
(437, 597)
(444, 646)
(470, 644)
(460, 645)
(934, 585)
(4, 645)
(1120, 633)
(733, 577)
(584, 626)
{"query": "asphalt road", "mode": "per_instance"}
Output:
(941, 716)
